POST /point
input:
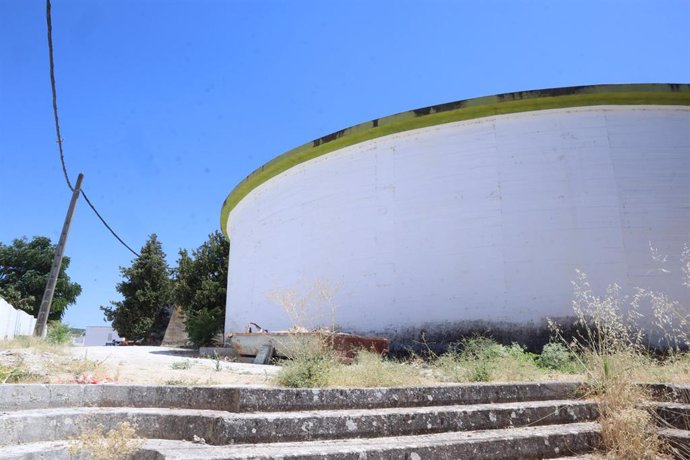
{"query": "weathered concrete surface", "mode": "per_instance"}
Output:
(219, 428)
(371, 423)
(267, 399)
(679, 440)
(670, 392)
(527, 420)
(38, 451)
(516, 443)
(250, 399)
(37, 396)
(672, 414)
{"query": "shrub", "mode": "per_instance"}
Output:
(308, 367)
(481, 359)
(58, 333)
(203, 326)
(557, 357)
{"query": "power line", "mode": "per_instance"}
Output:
(59, 137)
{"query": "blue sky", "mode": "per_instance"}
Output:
(166, 105)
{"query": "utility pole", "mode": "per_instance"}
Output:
(42, 320)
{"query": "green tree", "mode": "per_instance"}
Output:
(146, 289)
(24, 270)
(201, 288)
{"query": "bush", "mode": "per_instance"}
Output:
(481, 359)
(309, 367)
(203, 326)
(557, 357)
(58, 333)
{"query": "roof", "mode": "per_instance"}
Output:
(467, 109)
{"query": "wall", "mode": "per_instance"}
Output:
(481, 220)
(14, 322)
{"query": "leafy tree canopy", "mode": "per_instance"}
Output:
(24, 271)
(146, 289)
(201, 288)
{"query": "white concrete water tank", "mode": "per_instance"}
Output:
(471, 216)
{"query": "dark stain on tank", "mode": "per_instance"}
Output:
(438, 337)
(329, 137)
(440, 108)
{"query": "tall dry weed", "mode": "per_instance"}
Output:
(613, 351)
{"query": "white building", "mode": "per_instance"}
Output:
(469, 215)
(97, 336)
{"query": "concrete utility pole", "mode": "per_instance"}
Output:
(42, 320)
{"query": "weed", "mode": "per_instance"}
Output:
(15, 374)
(181, 382)
(481, 359)
(181, 365)
(557, 357)
(314, 310)
(216, 359)
(309, 366)
(120, 442)
(369, 369)
(611, 350)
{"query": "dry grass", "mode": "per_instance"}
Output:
(33, 360)
(627, 428)
(610, 348)
(371, 370)
(119, 443)
(34, 343)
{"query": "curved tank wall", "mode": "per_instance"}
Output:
(477, 223)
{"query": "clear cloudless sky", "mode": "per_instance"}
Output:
(166, 105)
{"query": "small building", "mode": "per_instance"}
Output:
(95, 336)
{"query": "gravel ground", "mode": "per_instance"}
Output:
(141, 365)
(161, 365)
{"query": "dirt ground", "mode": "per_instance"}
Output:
(141, 365)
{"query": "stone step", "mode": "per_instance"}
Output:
(252, 399)
(219, 427)
(671, 414)
(670, 392)
(679, 441)
(513, 443)
(551, 441)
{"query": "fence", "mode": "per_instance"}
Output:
(14, 322)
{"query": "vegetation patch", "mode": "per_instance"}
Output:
(120, 442)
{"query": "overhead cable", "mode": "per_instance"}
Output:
(59, 136)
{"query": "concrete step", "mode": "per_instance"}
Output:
(671, 414)
(670, 392)
(513, 443)
(252, 399)
(219, 427)
(551, 441)
(679, 441)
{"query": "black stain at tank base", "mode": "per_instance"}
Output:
(438, 337)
